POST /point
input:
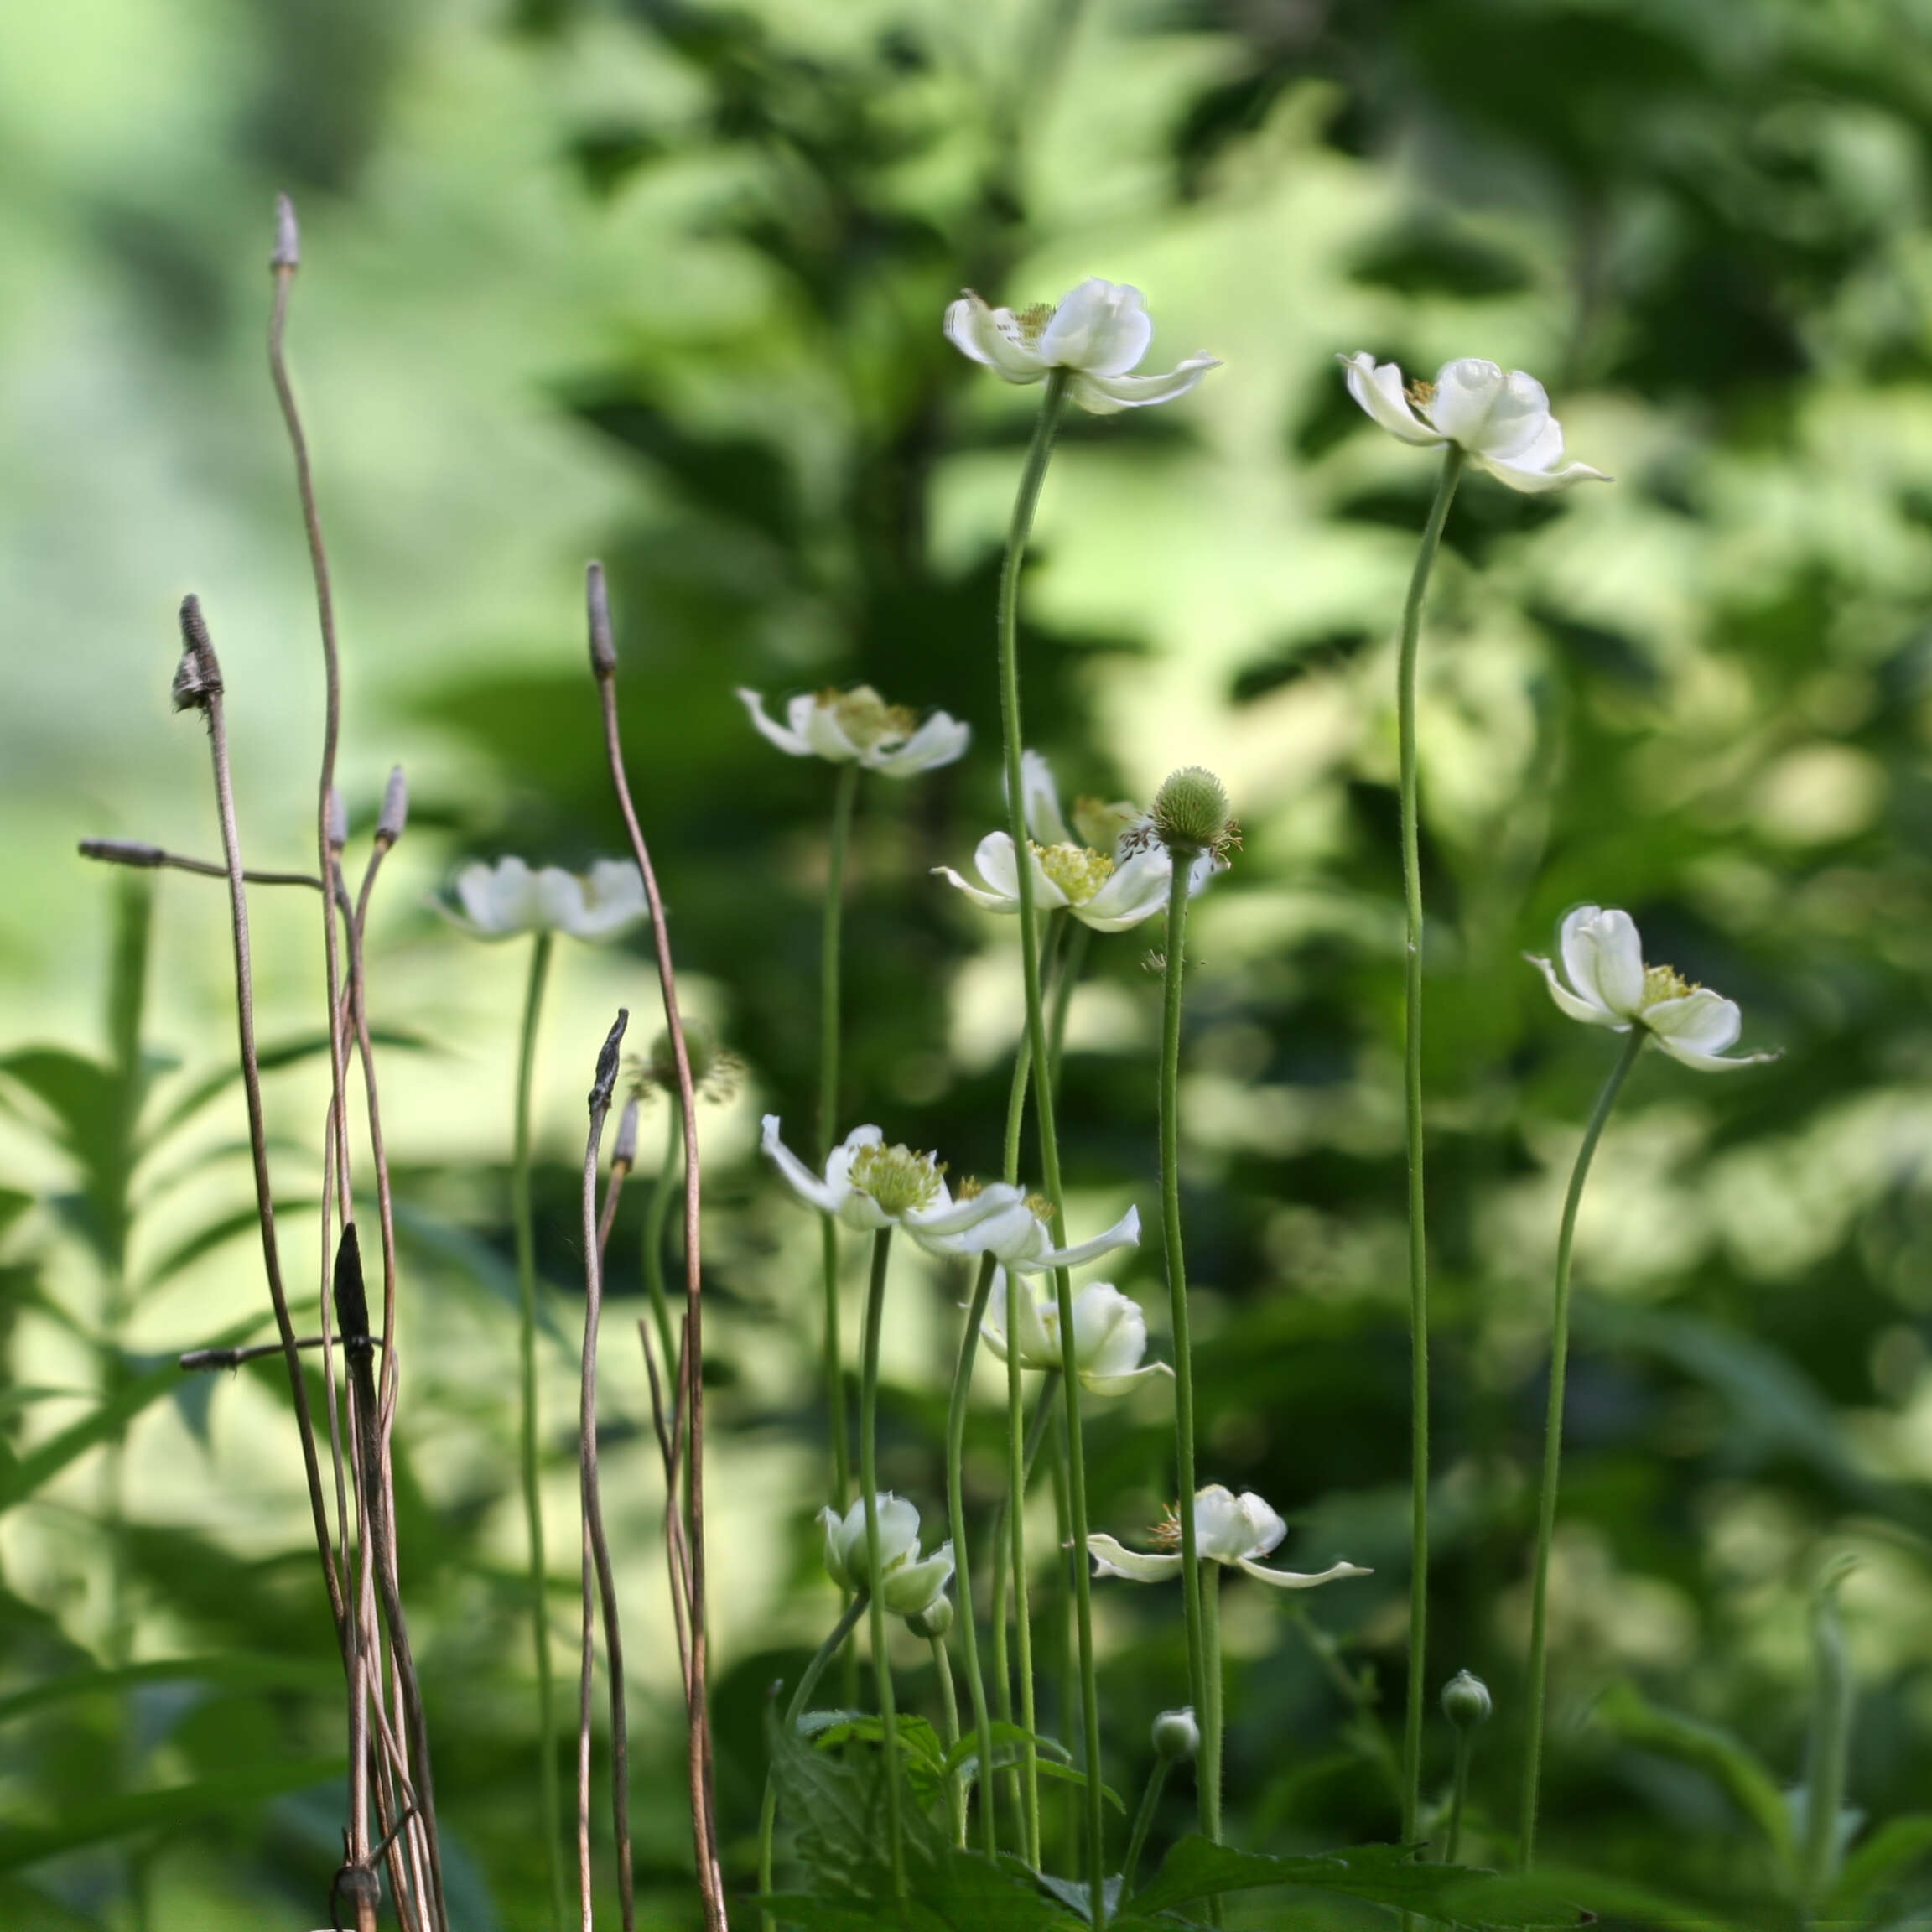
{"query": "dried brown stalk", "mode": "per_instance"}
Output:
(137, 853)
(710, 1875)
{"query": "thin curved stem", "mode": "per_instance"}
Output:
(869, 1491)
(1031, 479)
(829, 957)
(1553, 1439)
(523, 1219)
(1199, 1692)
(1412, 1109)
(956, 1514)
(1143, 1821)
(1208, 1768)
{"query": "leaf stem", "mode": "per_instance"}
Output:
(869, 1491)
(1633, 1045)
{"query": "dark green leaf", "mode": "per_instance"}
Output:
(231, 1671)
(1881, 1861)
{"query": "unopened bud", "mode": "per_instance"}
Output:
(197, 677)
(1177, 1735)
(624, 1153)
(288, 236)
(597, 599)
(935, 1620)
(1190, 810)
(1465, 1700)
(603, 1083)
(122, 851)
(338, 821)
(395, 807)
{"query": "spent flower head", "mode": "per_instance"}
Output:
(716, 1072)
(859, 726)
(1190, 814)
(1231, 1530)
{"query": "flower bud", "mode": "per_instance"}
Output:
(1466, 1702)
(625, 1152)
(1190, 810)
(1177, 1735)
(395, 807)
(935, 1620)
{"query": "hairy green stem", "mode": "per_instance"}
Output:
(1458, 1792)
(1412, 1109)
(1032, 478)
(949, 1737)
(869, 1492)
(1208, 1768)
(829, 958)
(956, 1512)
(1830, 1744)
(1633, 1045)
(523, 1217)
(1199, 1692)
(1142, 1821)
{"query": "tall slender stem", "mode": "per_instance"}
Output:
(523, 1219)
(829, 956)
(1143, 1819)
(1031, 481)
(869, 1492)
(956, 1514)
(1458, 1793)
(949, 1737)
(1553, 1439)
(1199, 1692)
(1018, 1462)
(1208, 1768)
(1412, 1108)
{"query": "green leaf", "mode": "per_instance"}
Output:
(235, 1791)
(231, 1669)
(1884, 1859)
(217, 1234)
(82, 1098)
(13, 1204)
(1624, 1712)
(24, 1909)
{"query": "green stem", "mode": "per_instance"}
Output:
(869, 1492)
(1209, 1768)
(1412, 1107)
(956, 1512)
(949, 1737)
(1074, 957)
(1830, 1744)
(1032, 478)
(1199, 1692)
(1142, 1821)
(523, 1219)
(1553, 1439)
(801, 1698)
(830, 957)
(656, 1217)
(1458, 1791)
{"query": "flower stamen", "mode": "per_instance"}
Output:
(1078, 870)
(899, 1179)
(1662, 983)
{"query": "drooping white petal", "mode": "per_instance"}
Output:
(1378, 388)
(1109, 395)
(1297, 1579)
(1134, 890)
(912, 1587)
(822, 1193)
(1467, 390)
(1102, 328)
(1587, 1011)
(783, 736)
(989, 901)
(938, 741)
(1603, 958)
(1539, 482)
(949, 1219)
(993, 336)
(1040, 1255)
(1715, 1062)
(1705, 1021)
(1114, 1559)
(1040, 798)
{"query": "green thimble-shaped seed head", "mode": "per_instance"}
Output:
(1466, 1702)
(1177, 1735)
(1190, 811)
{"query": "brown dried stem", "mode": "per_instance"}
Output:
(710, 1875)
(137, 853)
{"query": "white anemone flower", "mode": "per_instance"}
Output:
(1501, 421)
(501, 901)
(1020, 1237)
(911, 1584)
(1106, 893)
(1110, 1333)
(1233, 1529)
(1096, 334)
(1097, 824)
(868, 1185)
(858, 725)
(1605, 982)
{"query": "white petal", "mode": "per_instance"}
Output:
(1603, 958)
(1125, 1232)
(826, 1195)
(1133, 891)
(1109, 1330)
(1466, 390)
(610, 897)
(1705, 1021)
(1041, 797)
(949, 1217)
(785, 739)
(993, 902)
(1221, 1529)
(999, 1235)
(1539, 482)
(559, 899)
(1715, 1062)
(1378, 388)
(1537, 446)
(494, 897)
(1103, 328)
(993, 858)
(1205, 865)
(1587, 1011)
(1299, 1579)
(911, 1587)
(993, 336)
(1262, 1522)
(1109, 395)
(938, 741)
(1519, 425)
(1113, 1558)
(1033, 1324)
(1119, 1384)
(818, 725)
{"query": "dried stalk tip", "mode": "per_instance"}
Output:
(597, 599)
(395, 807)
(338, 820)
(1190, 811)
(624, 1154)
(288, 236)
(123, 852)
(198, 676)
(605, 1084)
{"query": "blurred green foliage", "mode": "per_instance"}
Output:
(721, 238)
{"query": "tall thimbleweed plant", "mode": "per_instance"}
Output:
(1479, 416)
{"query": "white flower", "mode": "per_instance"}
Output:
(858, 724)
(498, 901)
(1502, 421)
(1107, 894)
(1609, 985)
(1098, 333)
(911, 1584)
(1020, 1236)
(1110, 1334)
(868, 1185)
(1228, 1528)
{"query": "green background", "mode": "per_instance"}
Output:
(663, 282)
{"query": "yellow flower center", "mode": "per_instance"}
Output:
(1421, 394)
(1078, 870)
(1033, 322)
(896, 1178)
(866, 719)
(1662, 983)
(1041, 1209)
